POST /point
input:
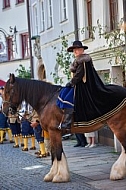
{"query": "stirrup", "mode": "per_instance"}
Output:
(59, 127)
(62, 128)
(65, 131)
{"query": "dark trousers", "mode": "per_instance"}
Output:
(81, 139)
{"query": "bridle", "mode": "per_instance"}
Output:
(12, 107)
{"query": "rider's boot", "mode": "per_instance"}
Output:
(67, 121)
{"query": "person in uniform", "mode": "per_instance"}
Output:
(15, 126)
(4, 127)
(42, 137)
(27, 132)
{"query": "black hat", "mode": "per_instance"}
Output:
(76, 44)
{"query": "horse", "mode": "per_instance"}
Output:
(42, 96)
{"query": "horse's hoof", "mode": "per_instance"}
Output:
(59, 179)
(114, 178)
(48, 178)
(116, 175)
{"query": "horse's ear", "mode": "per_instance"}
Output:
(12, 78)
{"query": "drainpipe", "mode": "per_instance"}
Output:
(75, 19)
(30, 45)
(124, 19)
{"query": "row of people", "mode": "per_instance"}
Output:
(22, 129)
(29, 128)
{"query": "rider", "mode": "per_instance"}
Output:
(93, 101)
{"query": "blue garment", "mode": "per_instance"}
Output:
(38, 133)
(26, 128)
(15, 128)
(66, 98)
(3, 121)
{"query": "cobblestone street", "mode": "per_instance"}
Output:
(23, 171)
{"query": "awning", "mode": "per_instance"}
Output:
(2, 83)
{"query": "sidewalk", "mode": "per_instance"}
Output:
(93, 165)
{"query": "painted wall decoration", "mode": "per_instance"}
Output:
(3, 47)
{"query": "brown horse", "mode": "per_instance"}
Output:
(42, 97)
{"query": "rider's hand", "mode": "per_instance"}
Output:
(69, 84)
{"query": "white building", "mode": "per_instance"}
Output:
(14, 37)
(49, 20)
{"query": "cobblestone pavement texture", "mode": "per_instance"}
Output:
(89, 169)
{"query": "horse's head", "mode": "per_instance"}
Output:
(10, 96)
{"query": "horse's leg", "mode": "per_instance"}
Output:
(118, 170)
(49, 177)
(63, 174)
(59, 171)
(118, 125)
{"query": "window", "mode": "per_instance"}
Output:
(105, 76)
(42, 16)
(49, 11)
(63, 10)
(19, 1)
(35, 20)
(113, 6)
(25, 45)
(89, 15)
(10, 49)
(6, 4)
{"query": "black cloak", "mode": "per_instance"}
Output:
(94, 101)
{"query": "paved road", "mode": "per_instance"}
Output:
(89, 169)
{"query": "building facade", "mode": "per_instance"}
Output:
(46, 22)
(82, 20)
(14, 37)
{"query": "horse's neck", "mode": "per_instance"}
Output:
(35, 100)
(38, 95)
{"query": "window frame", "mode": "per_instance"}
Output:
(10, 48)
(35, 20)
(6, 4)
(42, 16)
(49, 14)
(25, 45)
(63, 11)
(19, 1)
(113, 9)
(89, 17)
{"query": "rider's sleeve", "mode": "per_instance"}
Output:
(79, 74)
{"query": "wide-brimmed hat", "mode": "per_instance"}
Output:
(76, 44)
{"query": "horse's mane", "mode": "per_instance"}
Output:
(41, 89)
